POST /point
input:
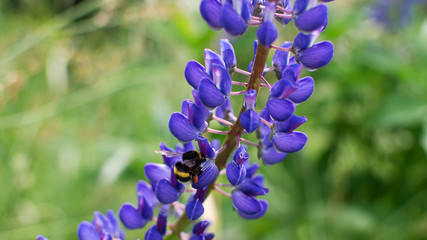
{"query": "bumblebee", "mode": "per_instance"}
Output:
(191, 166)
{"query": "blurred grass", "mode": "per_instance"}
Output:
(86, 93)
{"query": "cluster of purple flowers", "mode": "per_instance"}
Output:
(212, 83)
(394, 14)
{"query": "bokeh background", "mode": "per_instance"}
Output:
(87, 88)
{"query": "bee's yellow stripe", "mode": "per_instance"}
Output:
(181, 174)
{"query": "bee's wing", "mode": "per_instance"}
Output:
(169, 153)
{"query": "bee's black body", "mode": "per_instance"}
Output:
(190, 167)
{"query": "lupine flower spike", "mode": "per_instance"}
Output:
(179, 184)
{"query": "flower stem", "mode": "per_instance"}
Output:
(222, 191)
(284, 9)
(249, 142)
(216, 131)
(265, 81)
(281, 48)
(241, 71)
(222, 120)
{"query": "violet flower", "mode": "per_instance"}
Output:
(102, 227)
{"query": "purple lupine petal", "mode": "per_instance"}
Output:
(258, 179)
(289, 125)
(115, 227)
(241, 155)
(196, 117)
(210, 95)
(304, 91)
(221, 78)
(252, 188)
(245, 11)
(195, 237)
(211, 58)
(289, 143)
(292, 71)
(87, 231)
(245, 204)
(201, 194)
(271, 156)
(281, 59)
(155, 171)
(145, 210)
(264, 207)
(266, 141)
(165, 192)
(250, 99)
(211, 13)
(181, 128)
(194, 72)
(184, 107)
(210, 173)
(302, 41)
(233, 23)
(267, 33)
(250, 170)
(194, 209)
(205, 147)
(200, 227)
(41, 237)
(161, 222)
(153, 234)
(206, 112)
(101, 222)
(250, 120)
(130, 217)
(319, 55)
(300, 6)
(225, 111)
(312, 19)
(266, 115)
(235, 173)
(209, 236)
(280, 109)
(282, 89)
(216, 144)
(189, 146)
(227, 54)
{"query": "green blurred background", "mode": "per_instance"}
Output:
(87, 88)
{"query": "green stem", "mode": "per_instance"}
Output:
(230, 141)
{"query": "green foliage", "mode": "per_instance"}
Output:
(86, 94)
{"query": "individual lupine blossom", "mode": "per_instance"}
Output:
(194, 207)
(275, 146)
(157, 231)
(232, 15)
(41, 237)
(250, 118)
(198, 232)
(236, 169)
(244, 195)
(102, 228)
(212, 82)
(312, 56)
(189, 124)
(137, 217)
